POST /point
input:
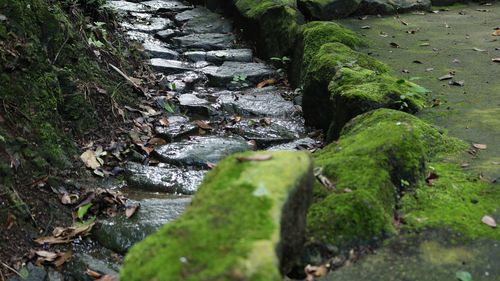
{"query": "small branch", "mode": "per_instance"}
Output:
(60, 49)
(137, 87)
(11, 269)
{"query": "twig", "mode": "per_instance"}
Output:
(60, 49)
(10, 268)
(137, 87)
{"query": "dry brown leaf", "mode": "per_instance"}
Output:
(266, 82)
(68, 199)
(11, 221)
(46, 255)
(314, 272)
(63, 258)
(488, 220)
(164, 122)
(157, 141)
(203, 125)
(65, 235)
(261, 157)
(107, 278)
(131, 210)
(92, 273)
(496, 32)
(479, 145)
(90, 160)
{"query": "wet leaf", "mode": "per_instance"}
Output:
(260, 157)
(82, 211)
(93, 274)
(496, 32)
(46, 255)
(24, 273)
(203, 124)
(478, 50)
(480, 146)
(266, 82)
(463, 276)
(424, 44)
(495, 60)
(63, 258)
(107, 278)
(131, 210)
(488, 220)
(90, 160)
(65, 235)
(446, 77)
(394, 45)
(366, 27)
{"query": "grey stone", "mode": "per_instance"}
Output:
(140, 36)
(386, 7)
(300, 144)
(193, 13)
(200, 151)
(249, 72)
(169, 66)
(53, 275)
(151, 25)
(195, 105)
(266, 134)
(166, 34)
(177, 127)
(196, 55)
(208, 23)
(262, 102)
(170, 180)
(165, 6)
(119, 233)
(205, 41)
(125, 6)
(239, 55)
(158, 50)
(80, 262)
(35, 273)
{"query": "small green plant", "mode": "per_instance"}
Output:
(405, 183)
(240, 79)
(281, 64)
(95, 43)
(171, 86)
(168, 107)
(98, 34)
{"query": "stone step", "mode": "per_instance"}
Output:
(167, 66)
(157, 49)
(149, 25)
(190, 14)
(241, 72)
(266, 102)
(205, 41)
(200, 151)
(169, 180)
(120, 233)
(161, 6)
(208, 23)
(300, 144)
(178, 126)
(220, 56)
(195, 105)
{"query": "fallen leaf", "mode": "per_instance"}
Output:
(68, 199)
(65, 235)
(488, 220)
(496, 32)
(480, 146)
(46, 255)
(203, 125)
(495, 60)
(266, 82)
(130, 210)
(463, 276)
(366, 27)
(90, 160)
(459, 83)
(93, 274)
(163, 122)
(479, 50)
(424, 44)
(11, 221)
(63, 258)
(106, 278)
(394, 45)
(157, 141)
(445, 77)
(314, 272)
(261, 157)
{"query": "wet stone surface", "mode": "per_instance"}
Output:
(177, 127)
(170, 180)
(201, 151)
(248, 72)
(205, 41)
(120, 233)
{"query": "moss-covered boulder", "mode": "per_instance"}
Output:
(317, 102)
(379, 156)
(357, 90)
(328, 9)
(246, 222)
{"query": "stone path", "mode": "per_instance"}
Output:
(209, 81)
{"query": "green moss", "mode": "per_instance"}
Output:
(357, 90)
(317, 103)
(455, 200)
(232, 228)
(380, 155)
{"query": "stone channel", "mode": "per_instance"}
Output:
(210, 75)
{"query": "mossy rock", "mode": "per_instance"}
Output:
(357, 90)
(379, 156)
(328, 9)
(324, 64)
(246, 222)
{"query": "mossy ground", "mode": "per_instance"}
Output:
(232, 228)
